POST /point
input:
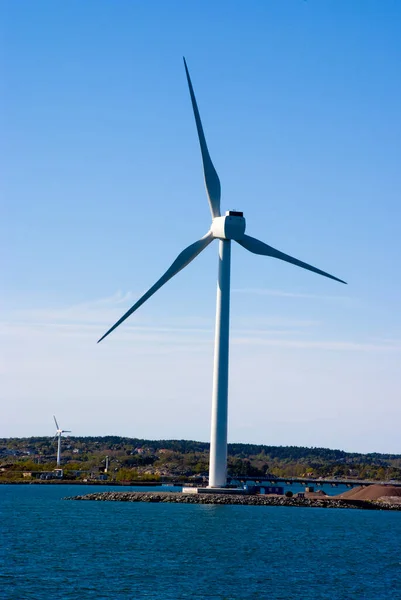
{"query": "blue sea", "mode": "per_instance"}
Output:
(56, 549)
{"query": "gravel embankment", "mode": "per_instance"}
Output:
(259, 500)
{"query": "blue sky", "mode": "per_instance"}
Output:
(102, 187)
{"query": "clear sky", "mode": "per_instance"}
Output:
(102, 187)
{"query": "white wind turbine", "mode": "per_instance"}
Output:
(58, 435)
(225, 228)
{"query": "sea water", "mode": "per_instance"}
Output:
(54, 549)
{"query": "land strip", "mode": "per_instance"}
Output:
(249, 500)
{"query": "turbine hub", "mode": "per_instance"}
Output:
(229, 227)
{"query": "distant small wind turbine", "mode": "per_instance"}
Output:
(58, 435)
(224, 228)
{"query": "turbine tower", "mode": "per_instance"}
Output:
(227, 228)
(58, 435)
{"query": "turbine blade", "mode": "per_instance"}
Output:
(212, 181)
(55, 420)
(258, 247)
(182, 260)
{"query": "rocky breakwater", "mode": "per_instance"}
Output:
(257, 500)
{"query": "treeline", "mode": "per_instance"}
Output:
(111, 442)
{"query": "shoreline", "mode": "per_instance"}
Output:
(222, 499)
(93, 483)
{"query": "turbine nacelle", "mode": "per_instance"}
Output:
(229, 227)
(59, 431)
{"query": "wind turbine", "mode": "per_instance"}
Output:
(58, 435)
(225, 228)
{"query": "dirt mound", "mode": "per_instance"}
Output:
(371, 492)
(317, 494)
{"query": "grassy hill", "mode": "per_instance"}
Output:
(134, 458)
